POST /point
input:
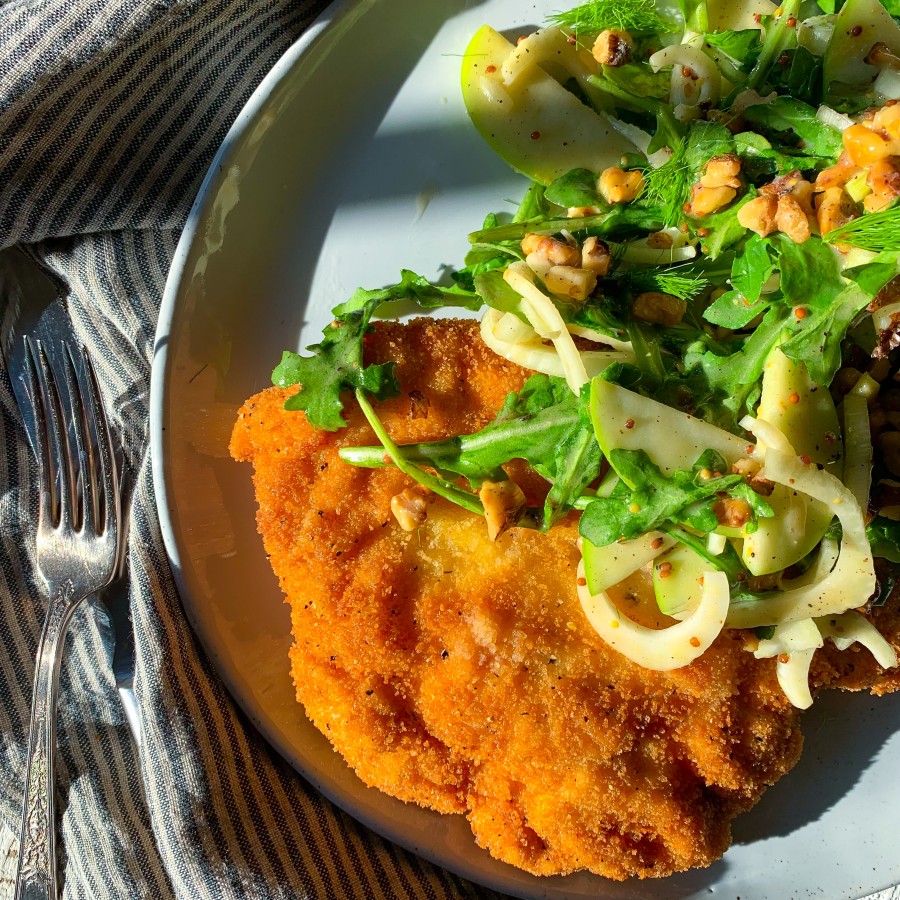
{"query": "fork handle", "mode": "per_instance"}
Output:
(36, 872)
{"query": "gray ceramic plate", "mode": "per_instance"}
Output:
(353, 159)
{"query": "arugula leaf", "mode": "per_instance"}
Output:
(800, 76)
(786, 115)
(725, 386)
(695, 14)
(723, 228)
(810, 273)
(413, 288)
(622, 221)
(751, 269)
(533, 206)
(742, 46)
(817, 341)
(497, 294)
(761, 161)
(576, 188)
(544, 424)
(884, 536)
(874, 275)
(640, 80)
(335, 367)
(669, 131)
(656, 499)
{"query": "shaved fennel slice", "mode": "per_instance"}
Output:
(767, 436)
(534, 354)
(852, 580)
(511, 329)
(668, 648)
(790, 637)
(548, 323)
(599, 338)
(851, 628)
(793, 677)
(696, 78)
(794, 644)
(857, 448)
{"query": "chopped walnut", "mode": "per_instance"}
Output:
(659, 308)
(794, 215)
(613, 47)
(503, 503)
(732, 512)
(759, 215)
(792, 220)
(838, 174)
(722, 171)
(888, 442)
(551, 250)
(410, 506)
(706, 200)
(749, 470)
(834, 207)
(884, 179)
(595, 256)
(619, 186)
(764, 582)
(660, 240)
(881, 55)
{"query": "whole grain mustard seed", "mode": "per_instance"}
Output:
(794, 398)
(664, 569)
(695, 642)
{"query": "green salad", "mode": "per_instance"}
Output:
(703, 276)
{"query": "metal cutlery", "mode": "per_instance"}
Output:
(32, 307)
(77, 548)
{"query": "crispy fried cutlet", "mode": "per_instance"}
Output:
(461, 674)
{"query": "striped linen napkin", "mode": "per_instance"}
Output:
(110, 113)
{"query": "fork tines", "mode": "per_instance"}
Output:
(73, 441)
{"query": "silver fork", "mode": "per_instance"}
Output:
(77, 543)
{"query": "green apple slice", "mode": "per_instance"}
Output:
(804, 412)
(679, 586)
(534, 123)
(859, 26)
(606, 566)
(737, 15)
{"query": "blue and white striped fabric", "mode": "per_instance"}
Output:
(110, 112)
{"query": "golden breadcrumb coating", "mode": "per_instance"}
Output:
(461, 674)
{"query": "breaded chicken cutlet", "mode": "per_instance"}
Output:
(461, 674)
